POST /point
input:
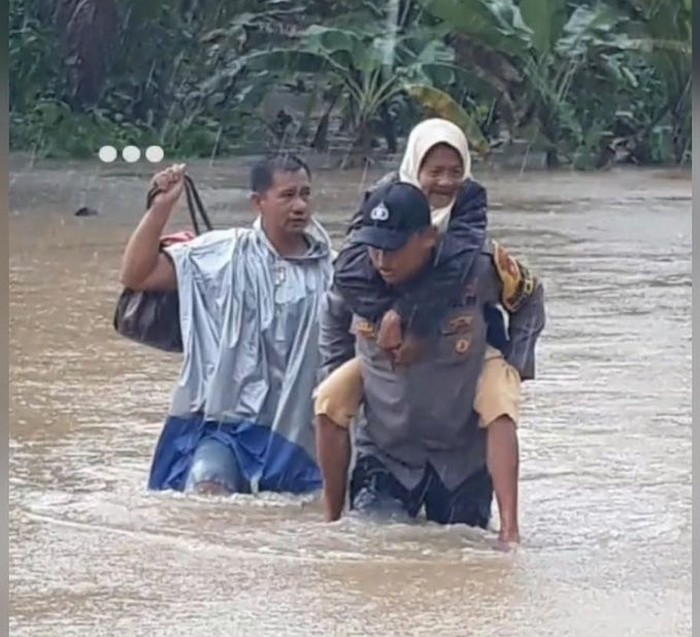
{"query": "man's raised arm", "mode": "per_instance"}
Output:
(144, 266)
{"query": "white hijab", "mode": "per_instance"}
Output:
(423, 137)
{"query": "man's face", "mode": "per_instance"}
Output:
(285, 206)
(441, 174)
(398, 266)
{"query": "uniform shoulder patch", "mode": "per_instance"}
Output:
(517, 281)
(364, 328)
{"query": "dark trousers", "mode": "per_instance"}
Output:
(375, 491)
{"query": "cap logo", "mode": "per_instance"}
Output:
(379, 213)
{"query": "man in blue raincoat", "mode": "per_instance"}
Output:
(241, 416)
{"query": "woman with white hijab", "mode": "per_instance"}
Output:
(434, 144)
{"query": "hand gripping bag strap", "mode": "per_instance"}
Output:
(153, 318)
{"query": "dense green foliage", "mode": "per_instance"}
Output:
(586, 82)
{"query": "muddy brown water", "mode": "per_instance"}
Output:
(605, 439)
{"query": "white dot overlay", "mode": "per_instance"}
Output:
(131, 154)
(107, 154)
(154, 154)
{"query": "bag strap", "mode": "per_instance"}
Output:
(195, 206)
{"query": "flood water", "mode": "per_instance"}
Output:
(605, 439)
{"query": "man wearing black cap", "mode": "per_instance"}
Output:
(418, 438)
(398, 230)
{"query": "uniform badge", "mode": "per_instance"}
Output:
(379, 213)
(461, 323)
(462, 345)
(365, 328)
(518, 284)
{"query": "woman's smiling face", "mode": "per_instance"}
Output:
(441, 174)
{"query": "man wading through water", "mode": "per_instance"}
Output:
(437, 161)
(241, 415)
(418, 439)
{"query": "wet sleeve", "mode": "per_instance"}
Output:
(336, 343)
(420, 303)
(466, 230)
(423, 303)
(355, 279)
(522, 296)
(526, 325)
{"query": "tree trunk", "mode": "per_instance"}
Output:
(90, 29)
(320, 140)
(361, 149)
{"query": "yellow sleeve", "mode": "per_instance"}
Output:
(517, 280)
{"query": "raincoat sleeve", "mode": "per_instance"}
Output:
(522, 296)
(336, 343)
(423, 301)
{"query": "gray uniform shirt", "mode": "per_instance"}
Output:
(423, 413)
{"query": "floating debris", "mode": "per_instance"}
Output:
(85, 211)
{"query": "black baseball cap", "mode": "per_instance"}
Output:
(392, 215)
